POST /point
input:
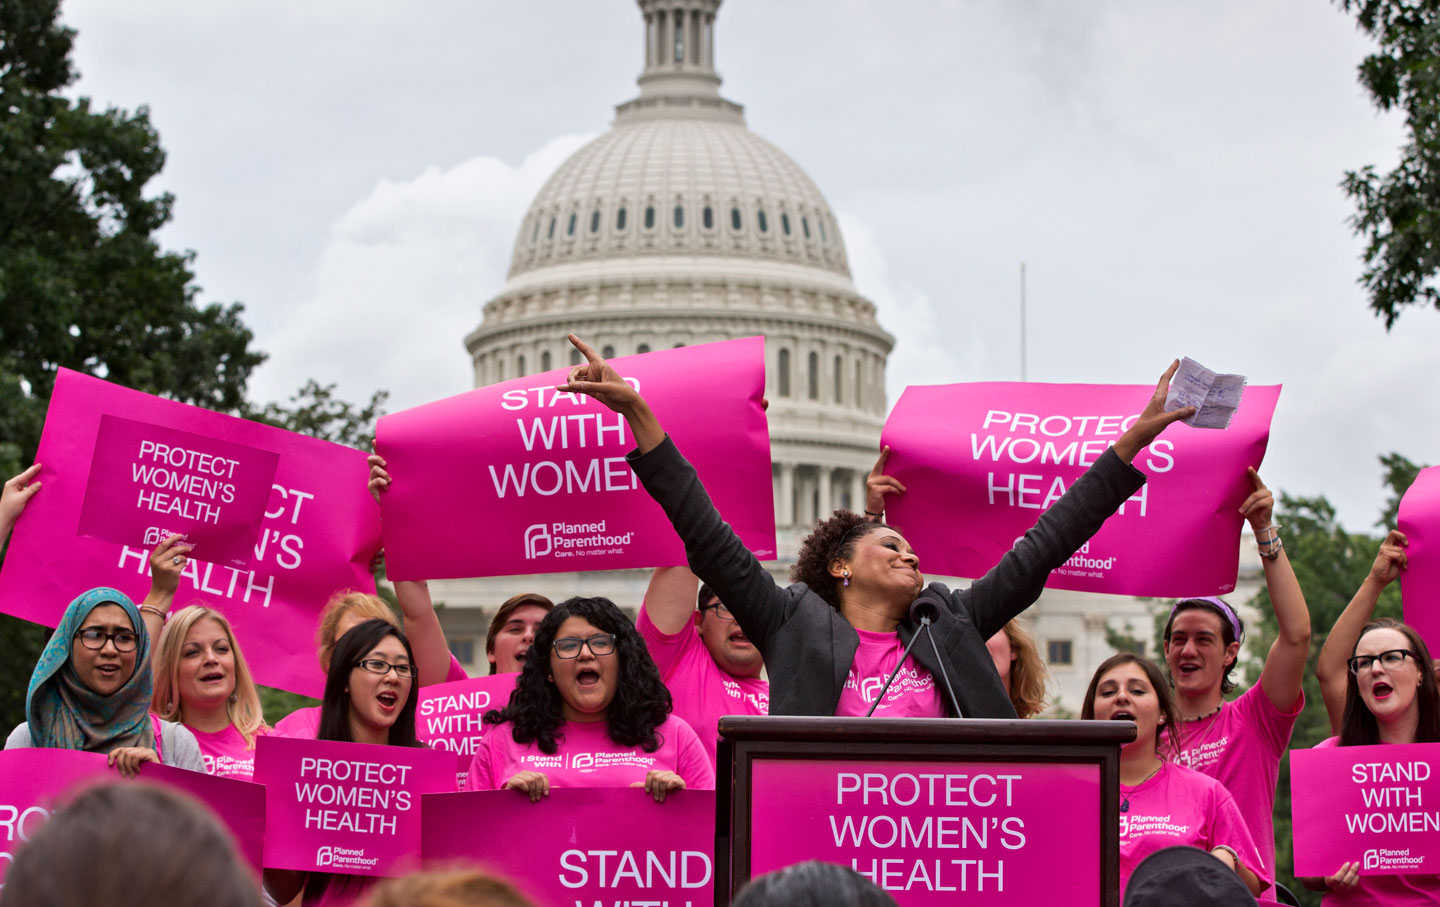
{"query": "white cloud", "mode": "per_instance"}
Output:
(401, 279)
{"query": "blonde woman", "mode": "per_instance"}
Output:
(1021, 669)
(202, 681)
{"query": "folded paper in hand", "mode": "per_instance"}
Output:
(1215, 397)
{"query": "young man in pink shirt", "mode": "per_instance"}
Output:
(704, 658)
(1240, 743)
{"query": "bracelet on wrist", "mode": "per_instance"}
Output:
(878, 516)
(151, 609)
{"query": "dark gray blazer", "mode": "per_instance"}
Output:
(808, 647)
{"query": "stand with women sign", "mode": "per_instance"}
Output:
(351, 808)
(1381, 807)
(991, 457)
(1419, 519)
(587, 846)
(547, 469)
(279, 521)
(34, 781)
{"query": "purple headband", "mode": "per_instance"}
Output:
(1220, 605)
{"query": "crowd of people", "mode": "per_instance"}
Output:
(151, 683)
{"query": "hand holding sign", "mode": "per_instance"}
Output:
(17, 492)
(1260, 505)
(1391, 561)
(878, 484)
(1152, 420)
(533, 784)
(658, 783)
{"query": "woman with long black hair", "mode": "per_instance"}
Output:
(589, 710)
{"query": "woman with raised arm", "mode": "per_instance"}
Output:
(1332, 665)
(831, 638)
(1391, 696)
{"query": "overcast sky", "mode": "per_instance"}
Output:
(354, 172)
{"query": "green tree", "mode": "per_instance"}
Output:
(1398, 213)
(315, 410)
(1400, 474)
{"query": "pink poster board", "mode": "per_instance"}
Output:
(935, 833)
(351, 808)
(34, 781)
(1420, 583)
(582, 846)
(547, 469)
(982, 461)
(149, 481)
(320, 524)
(449, 715)
(1379, 807)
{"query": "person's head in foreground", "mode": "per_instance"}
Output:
(588, 663)
(1185, 877)
(447, 888)
(812, 884)
(130, 843)
(1390, 690)
(371, 691)
(512, 631)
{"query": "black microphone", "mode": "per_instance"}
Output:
(923, 611)
(924, 608)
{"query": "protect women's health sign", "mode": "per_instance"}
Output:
(582, 847)
(981, 462)
(935, 833)
(279, 521)
(522, 478)
(35, 782)
(1381, 807)
(1420, 583)
(352, 808)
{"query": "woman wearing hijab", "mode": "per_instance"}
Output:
(92, 686)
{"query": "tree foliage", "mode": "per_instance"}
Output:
(315, 410)
(1398, 213)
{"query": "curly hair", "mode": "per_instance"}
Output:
(1358, 726)
(1169, 711)
(833, 539)
(335, 707)
(641, 701)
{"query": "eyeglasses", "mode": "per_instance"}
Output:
(377, 666)
(569, 646)
(95, 638)
(720, 610)
(1391, 659)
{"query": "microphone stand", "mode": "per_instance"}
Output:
(949, 690)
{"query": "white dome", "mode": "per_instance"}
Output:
(657, 185)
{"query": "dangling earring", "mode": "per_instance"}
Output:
(846, 576)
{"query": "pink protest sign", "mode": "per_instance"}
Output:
(239, 805)
(351, 808)
(926, 832)
(1420, 583)
(149, 481)
(547, 469)
(32, 782)
(980, 462)
(449, 714)
(582, 846)
(1380, 808)
(320, 527)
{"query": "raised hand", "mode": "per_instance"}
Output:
(379, 478)
(1152, 420)
(878, 485)
(595, 378)
(1259, 507)
(1391, 561)
(16, 494)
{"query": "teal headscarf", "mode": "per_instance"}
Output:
(63, 713)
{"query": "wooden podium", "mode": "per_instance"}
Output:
(933, 810)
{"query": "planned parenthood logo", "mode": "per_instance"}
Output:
(560, 539)
(344, 858)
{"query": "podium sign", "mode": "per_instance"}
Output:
(931, 810)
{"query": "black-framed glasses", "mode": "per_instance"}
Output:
(95, 638)
(569, 646)
(720, 610)
(1393, 658)
(382, 667)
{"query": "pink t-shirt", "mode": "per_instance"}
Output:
(587, 757)
(305, 723)
(1180, 806)
(1383, 891)
(1241, 747)
(702, 692)
(912, 693)
(225, 753)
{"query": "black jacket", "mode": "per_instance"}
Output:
(809, 647)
